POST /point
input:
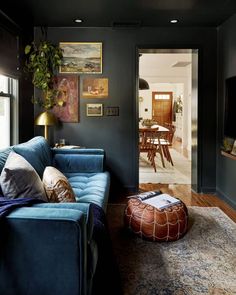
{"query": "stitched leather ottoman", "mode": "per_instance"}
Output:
(154, 224)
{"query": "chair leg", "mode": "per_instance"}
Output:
(169, 155)
(162, 158)
(164, 152)
(153, 161)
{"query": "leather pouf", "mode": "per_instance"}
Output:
(148, 222)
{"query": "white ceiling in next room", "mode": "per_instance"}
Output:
(153, 66)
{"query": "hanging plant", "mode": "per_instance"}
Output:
(43, 61)
(179, 105)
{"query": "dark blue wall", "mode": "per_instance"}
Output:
(12, 42)
(226, 168)
(118, 135)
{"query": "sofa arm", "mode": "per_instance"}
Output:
(43, 251)
(79, 160)
(82, 207)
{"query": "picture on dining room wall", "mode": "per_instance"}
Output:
(233, 151)
(67, 85)
(94, 109)
(81, 57)
(95, 88)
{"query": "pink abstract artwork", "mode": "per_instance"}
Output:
(68, 85)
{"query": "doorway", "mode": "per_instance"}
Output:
(171, 99)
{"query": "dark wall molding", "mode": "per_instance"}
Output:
(226, 198)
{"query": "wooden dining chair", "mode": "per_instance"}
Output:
(166, 142)
(146, 145)
(157, 141)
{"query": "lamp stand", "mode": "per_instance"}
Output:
(46, 119)
(46, 132)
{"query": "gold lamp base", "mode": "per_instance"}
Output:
(46, 119)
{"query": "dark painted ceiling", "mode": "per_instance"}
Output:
(104, 13)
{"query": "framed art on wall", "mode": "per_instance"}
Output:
(68, 88)
(81, 57)
(233, 151)
(94, 109)
(95, 88)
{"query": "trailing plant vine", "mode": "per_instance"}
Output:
(43, 61)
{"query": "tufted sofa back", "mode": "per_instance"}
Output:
(36, 151)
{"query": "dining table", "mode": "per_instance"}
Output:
(158, 132)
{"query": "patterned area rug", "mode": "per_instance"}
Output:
(180, 173)
(202, 262)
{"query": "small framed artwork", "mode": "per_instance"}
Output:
(67, 85)
(95, 88)
(94, 109)
(233, 151)
(81, 57)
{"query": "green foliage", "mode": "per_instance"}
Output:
(179, 105)
(148, 122)
(43, 61)
(227, 144)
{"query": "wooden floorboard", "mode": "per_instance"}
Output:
(184, 192)
(190, 198)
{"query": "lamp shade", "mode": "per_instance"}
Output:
(143, 84)
(46, 119)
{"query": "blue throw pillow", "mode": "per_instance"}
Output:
(37, 152)
(19, 179)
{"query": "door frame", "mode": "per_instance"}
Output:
(196, 145)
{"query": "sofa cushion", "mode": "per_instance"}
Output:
(58, 188)
(90, 187)
(37, 152)
(74, 162)
(19, 179)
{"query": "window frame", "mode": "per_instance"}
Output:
(11, 90)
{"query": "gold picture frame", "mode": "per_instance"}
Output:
(81, 57)
(94, 87)
(94, 109)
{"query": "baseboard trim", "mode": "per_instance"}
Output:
(203, 190)
(122, 190)
(225, 198)
(208, 190)
(130, 189)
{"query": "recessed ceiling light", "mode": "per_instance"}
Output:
(174, 21)
(77, 20)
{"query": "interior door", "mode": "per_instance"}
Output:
(162, 107)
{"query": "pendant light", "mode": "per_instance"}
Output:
(143, 84)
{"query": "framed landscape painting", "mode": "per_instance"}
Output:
(68, 87)
(95, 88)
(94, 109)
(81, 57)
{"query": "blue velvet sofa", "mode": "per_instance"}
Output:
(48, 248)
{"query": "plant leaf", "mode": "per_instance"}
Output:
(27, 49)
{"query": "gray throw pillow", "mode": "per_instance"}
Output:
(19, 179)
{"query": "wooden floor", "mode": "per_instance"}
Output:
(184, 193)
